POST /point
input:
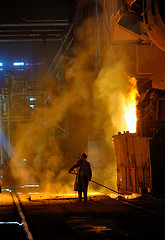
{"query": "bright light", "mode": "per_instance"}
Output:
(11, 223)
(32, 106)
(129, 106)
(32, 99)
(1, 64)
(18, 64)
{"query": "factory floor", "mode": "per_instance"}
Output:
(61, 217)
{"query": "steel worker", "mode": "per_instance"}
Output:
(84, 174)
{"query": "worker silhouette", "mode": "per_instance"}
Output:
(84, 174)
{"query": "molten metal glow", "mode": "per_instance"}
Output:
(132, 196)
(129, 105)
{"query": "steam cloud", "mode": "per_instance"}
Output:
(96, 99)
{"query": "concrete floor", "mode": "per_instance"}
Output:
(61, 217)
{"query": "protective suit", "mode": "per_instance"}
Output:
(84, 174)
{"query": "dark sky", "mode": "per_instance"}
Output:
(15, 11)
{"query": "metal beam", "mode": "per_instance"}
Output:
(44, 30)
(69, 37)
(36, 25)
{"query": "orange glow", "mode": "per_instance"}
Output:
(129, 106)
(132, 196)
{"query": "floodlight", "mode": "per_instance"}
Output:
(18, 64)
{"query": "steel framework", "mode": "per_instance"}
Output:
(23, 90)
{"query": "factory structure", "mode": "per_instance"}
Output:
(41, 66)
(140, 157)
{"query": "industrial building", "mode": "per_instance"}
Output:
(82, 76)
(30, 43)
(48, 69)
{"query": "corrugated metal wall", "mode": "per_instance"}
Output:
(133, 161)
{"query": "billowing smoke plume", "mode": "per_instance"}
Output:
(95, 99)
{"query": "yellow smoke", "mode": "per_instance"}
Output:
(115, 95)
(96, 100)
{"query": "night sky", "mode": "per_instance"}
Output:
(17, 11)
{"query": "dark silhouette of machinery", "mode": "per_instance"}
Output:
(140, 156)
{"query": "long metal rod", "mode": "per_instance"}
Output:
(42, 24)
(50, 72)
(73, 172)
(105, 187)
